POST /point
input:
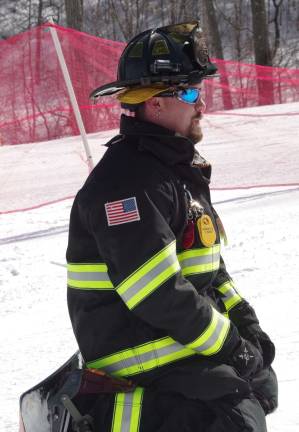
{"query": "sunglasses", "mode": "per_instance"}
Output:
(190, 95)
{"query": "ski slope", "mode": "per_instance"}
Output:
(261, 224)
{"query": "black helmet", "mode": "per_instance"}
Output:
(172, 55)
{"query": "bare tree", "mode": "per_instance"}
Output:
(40, 12)
(262, 51)
(213, 28)
(217, 49)
(17, 16)
(277, 9)
(129, 16)
(74, 13)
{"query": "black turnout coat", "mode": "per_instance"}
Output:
(147, 293)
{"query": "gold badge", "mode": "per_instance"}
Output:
(206, 230)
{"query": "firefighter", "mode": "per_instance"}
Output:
(149, 296)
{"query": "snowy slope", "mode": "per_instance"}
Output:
(263, 233)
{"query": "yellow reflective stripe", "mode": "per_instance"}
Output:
(145, 268)
(136, 411)
(163, 351)
(203, 260)
(232, 302)
(230, 295)
(199, 252)
(149, 276)
(213, 337)
(127, 411)
(138, 350)
(118, 412)
(90, 267)
(221, 339)
(90, 276)
(153, 284)
(89, 284)
(142, 358)
(200, 268)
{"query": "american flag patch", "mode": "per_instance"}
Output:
(122, 211)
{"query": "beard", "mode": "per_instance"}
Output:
(195, 132)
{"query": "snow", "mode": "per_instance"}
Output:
(261, 224)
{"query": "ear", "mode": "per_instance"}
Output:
(153, 109)
(156, 104)
(153, 104)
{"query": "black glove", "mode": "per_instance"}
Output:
(264, 344)
(246, 359)
(265, 389)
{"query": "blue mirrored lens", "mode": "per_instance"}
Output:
(189, 95)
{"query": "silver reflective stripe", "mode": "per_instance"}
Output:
(148, 277)
(214, 335)
(127, 411)
(142, 358)
(213, 338)
(205, 259)
(88, 276)
(202, 260)
(139, 361)
(230, 296)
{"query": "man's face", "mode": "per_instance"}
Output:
(181, 117)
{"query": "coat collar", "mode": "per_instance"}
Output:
(161, 142)
(177, 152)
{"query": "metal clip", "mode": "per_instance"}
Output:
(195, 209)
(80, 423)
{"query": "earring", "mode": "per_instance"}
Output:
(157, 113)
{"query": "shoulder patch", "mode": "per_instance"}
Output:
(122, 211)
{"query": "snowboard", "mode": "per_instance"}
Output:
(39, 411)
(63, 401)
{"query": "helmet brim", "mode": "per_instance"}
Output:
(118, 87)
(138, 95)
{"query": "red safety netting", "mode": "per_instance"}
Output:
(243, 85)
(33, 91)
(36, 106)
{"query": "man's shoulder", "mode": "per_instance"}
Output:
(125, 168)
(125, 160)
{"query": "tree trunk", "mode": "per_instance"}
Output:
(213, 28)
(262, 49)
(217, 50)
(277, 7)
(40, 13)
(260, 33)
(74, 13)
